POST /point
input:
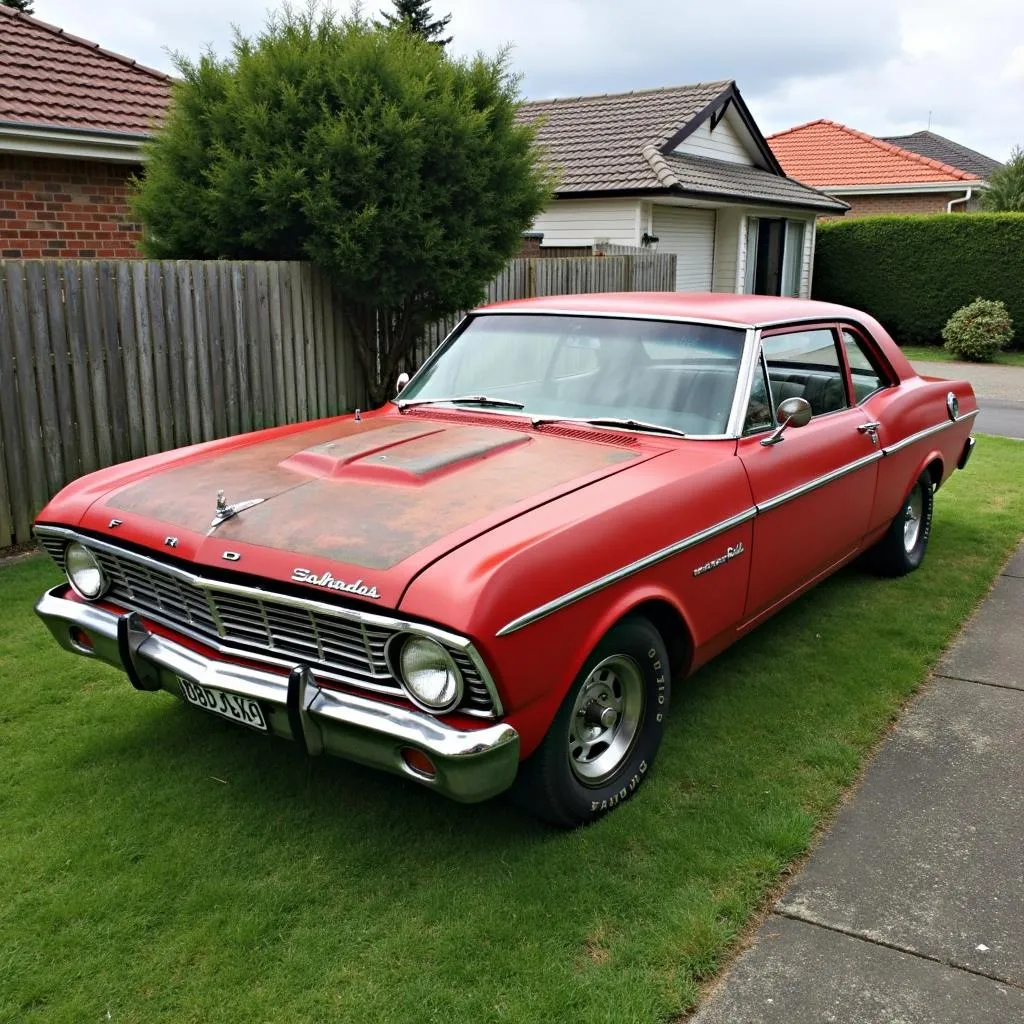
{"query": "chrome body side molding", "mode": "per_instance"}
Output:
(627, 570)
(609, 579)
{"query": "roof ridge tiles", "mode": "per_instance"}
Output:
(954, 172)
(665, 89)
(87, 43)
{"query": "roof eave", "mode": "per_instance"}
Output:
(904, 188)
(730, 94)
(726, 198)
(71, 143)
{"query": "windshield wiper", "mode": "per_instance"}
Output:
(611, 421)
(502, 403)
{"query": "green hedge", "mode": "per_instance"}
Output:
(912, 273)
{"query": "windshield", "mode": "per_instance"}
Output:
(677, 375)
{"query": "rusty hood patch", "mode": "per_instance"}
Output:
(362, 497)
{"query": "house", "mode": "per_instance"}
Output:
(683, 170)
(919, 173)
(73, 118)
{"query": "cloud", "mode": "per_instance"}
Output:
(881, 65)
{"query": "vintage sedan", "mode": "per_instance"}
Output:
(493, 581)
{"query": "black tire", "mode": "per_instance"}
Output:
(902, 550)
(584, 767)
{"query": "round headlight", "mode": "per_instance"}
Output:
(84, 572)
(429, 675)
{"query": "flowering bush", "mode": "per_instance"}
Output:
(978, 330)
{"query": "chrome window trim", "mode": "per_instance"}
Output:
(748, 336)
(736, 325)
(372, 619)
(744, 381)
(639, 565)
(898, 446)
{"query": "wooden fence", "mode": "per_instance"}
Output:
(103, 361)
(526, 278)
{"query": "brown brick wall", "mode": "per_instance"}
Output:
(917, 202)
(56, 208)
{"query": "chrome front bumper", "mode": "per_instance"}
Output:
(471, 765)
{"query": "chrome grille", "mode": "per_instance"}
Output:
(347, 648)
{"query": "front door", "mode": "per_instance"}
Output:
(815, 488)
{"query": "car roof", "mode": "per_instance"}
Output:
(742, 310)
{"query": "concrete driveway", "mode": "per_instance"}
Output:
(1000, 391)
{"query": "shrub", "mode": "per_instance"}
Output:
(398, 170)
(913, 272)
(978, 330)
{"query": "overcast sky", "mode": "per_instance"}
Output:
(883, 66)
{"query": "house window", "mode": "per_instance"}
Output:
(775, 248)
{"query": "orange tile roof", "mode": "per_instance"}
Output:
(50, 78)
(827, 154)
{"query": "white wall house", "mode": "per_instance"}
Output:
(706, 188)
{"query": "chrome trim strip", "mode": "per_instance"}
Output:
(927, 432)
(360, 618)
(744, 381)
(620, 574)
(820, 481)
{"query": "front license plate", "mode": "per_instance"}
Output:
(227, 705)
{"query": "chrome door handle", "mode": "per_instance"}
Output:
(871, 429)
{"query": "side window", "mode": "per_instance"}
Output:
(806, 364)
(759, 408)
(866, 378)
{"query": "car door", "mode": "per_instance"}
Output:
(814, 486)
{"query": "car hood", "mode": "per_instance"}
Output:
(357, 507)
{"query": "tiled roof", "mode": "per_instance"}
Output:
(596, 143)
(53, 79)
(701, 175)
(937, 147)
(614, 143)
(828, 155)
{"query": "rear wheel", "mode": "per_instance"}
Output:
(606, 733)
(902, 549)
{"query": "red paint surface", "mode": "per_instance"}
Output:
(477, 524)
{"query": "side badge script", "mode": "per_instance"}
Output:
(328, 582)
(730, 553)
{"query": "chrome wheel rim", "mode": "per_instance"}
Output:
(605, 720)
(912, 513)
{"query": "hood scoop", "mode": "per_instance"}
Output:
(407, 454)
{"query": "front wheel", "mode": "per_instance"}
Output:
(606, 733)
(902, 548)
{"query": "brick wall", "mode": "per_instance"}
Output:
(60, 209)
(915, 202)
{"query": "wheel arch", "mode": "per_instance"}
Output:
(662, 611)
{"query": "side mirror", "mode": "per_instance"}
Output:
(403, 379)
(793, 412)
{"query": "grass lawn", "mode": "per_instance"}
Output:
(159, 865)
(937, 354)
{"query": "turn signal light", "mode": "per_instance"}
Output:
(81, 639)
(418, 762)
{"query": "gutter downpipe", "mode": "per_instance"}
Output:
(963, 199)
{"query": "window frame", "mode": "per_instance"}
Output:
(814, 325)
(878, 363)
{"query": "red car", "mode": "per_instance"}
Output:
(493, 581)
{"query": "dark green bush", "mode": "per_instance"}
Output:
(913, 273)
(401, 172)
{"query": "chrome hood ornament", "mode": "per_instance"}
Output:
(225, 511)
